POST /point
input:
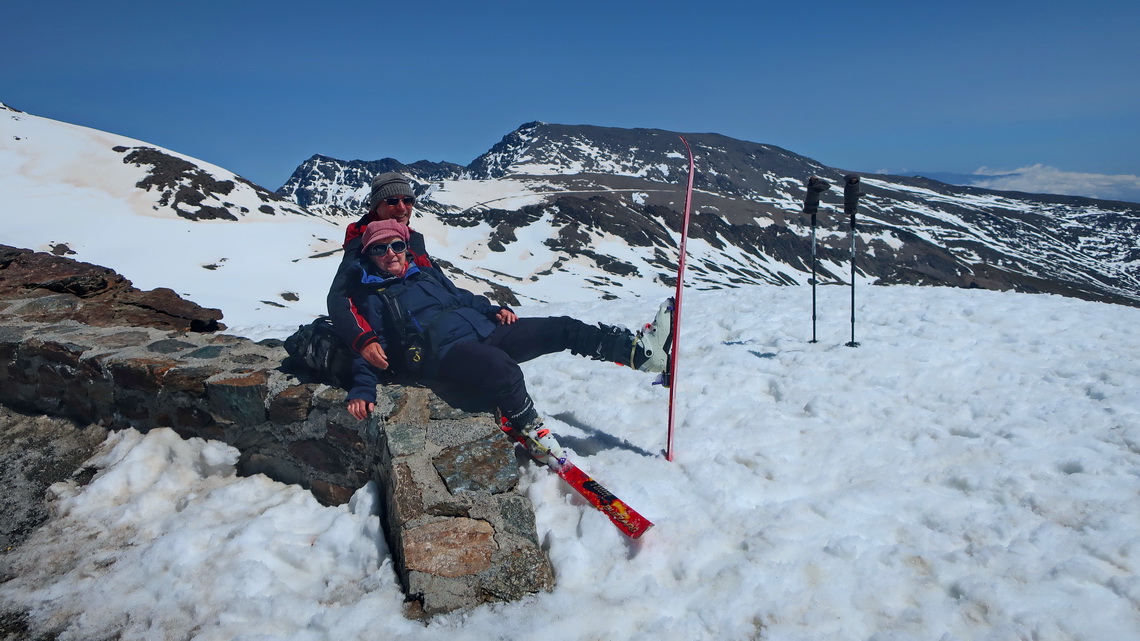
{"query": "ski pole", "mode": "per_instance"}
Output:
(815, 186)
(850, 204)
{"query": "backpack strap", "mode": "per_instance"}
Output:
(418, 348)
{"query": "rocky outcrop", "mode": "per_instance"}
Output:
(58, 289)
(460, 531)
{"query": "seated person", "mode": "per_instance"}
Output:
(470, 341)
(391, 198)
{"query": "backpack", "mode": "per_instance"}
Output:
(316, 350)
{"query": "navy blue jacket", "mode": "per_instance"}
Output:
(433, 304)
(349, 322)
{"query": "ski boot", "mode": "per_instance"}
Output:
(653, 343)
(538, 440)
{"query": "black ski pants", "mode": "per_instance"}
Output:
(491, 366)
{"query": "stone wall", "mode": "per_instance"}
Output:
(460, 531)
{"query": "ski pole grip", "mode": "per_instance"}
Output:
(815, 186)
(851, 194)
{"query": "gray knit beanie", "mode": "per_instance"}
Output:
(387, 185)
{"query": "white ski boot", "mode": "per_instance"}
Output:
(539, 442)
(655, 340)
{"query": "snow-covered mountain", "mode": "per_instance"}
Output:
(551, 213)
(161, 218)
(558, 199)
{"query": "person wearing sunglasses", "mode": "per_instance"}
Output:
(460, 337)
(390, 197)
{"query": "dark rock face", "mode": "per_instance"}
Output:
(67, 289)
(192, 192)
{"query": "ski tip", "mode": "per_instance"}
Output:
(637, 535)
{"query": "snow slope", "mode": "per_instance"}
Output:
(65, 185)
(972, 471)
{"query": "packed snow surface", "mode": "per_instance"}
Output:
(970, 471)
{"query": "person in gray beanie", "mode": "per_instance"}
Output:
(394, 190)
(390, 197)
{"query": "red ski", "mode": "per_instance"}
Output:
(670, 376)
(627, 519)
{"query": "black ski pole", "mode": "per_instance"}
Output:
(850, 204)
(815, 186)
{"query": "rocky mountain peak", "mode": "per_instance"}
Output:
(581, 187)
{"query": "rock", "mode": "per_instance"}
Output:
(451, 548)
(483, 465)
(66, 289)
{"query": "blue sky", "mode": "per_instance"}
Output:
(258, 87)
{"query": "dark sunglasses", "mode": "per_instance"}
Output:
(407, 200)
(379, 249)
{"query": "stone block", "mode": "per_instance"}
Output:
(207, 352)
(517, 515)
(411, 407)
(51, 308)
(143, 374)
(520, 572)
(449, 433)
(450, 548)
(240, 399)
(120, 340)
(169, 346)
(275, 467)
(291, 405)
(319, 455)
(406, 501)
(134, 407)
(66, 354)
(192, 417)
(330, 494)
(485, 465)
(348, 437)
(405, 439)
(189, 379)
(438, 594)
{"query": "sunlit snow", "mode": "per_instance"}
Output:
(970, 471)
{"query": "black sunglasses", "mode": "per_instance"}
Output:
(379, 249)
(407, 200)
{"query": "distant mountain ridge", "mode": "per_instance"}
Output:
(578, 187)
(551, 213)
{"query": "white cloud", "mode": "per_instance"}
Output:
(1042, 179)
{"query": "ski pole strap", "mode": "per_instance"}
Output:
(851, 195)
(815, 187)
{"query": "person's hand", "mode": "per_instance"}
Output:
(506, 316)
(375, 355)
(360, 409)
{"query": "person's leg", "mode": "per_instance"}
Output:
(529, 338)
(489, 371)
(494, 374)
